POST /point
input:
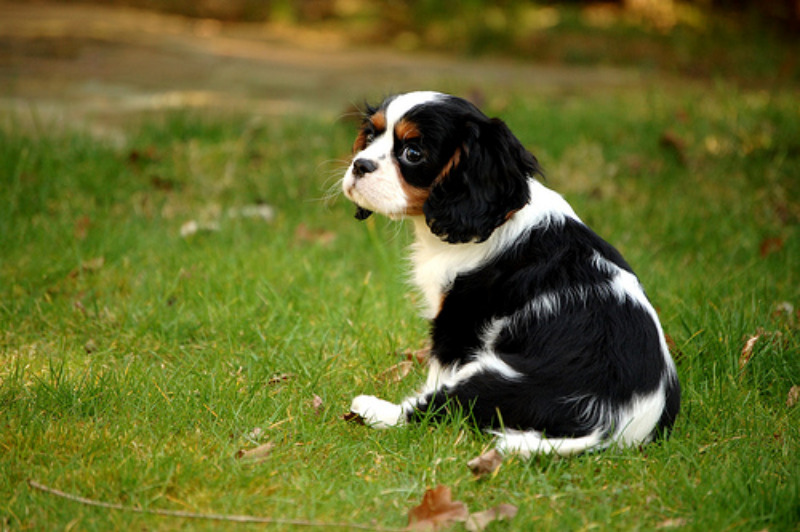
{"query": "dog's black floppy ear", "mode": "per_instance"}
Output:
(487, 183)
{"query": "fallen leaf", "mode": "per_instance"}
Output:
(163, 184)
(437, 510)
(671, 345)
(277, 379)
(676, 352)
(480, 520)
(770, 245)
(747, 350)
(671, 523)
(256, 454)
(316, 404)
(147, 154)
(486, 464)
(420, 356)
(397, 372)
(793, 397)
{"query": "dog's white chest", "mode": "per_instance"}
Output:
(436, 264)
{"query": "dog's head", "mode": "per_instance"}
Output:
(438, 156)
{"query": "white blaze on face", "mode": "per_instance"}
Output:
(381, 190)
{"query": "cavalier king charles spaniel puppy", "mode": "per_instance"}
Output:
(540, 330)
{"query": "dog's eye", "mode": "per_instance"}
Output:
(369, 138)
(412, 154)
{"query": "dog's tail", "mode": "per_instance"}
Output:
(528, 443)
(634, 425)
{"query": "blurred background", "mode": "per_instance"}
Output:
(98, 60)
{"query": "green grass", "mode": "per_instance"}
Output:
(136, 379)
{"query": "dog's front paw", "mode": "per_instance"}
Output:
(377, 413)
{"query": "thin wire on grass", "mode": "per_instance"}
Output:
(210, 517)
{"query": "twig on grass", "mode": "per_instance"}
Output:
(210, 517)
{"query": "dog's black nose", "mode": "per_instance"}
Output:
(362, 167)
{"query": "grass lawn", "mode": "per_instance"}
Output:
(136, 362)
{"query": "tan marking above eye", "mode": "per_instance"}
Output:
(373, 126)
(406, 129)
(378, 121)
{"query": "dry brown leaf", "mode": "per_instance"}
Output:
(793, 397)
(486, 464)
(256, 454)
(420, 356)
(147, 154)
(747, 350)
(277, 379)
(480, 520)
(774, 339)
(437, 510)
(674, 349)
(164, 184)
(397, 372)
(770, 245)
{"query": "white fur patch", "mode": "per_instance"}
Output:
(636, 422)
(399, 106)
(486, 360)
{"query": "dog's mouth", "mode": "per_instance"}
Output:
(362, 213)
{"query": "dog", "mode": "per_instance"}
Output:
(540, 330)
